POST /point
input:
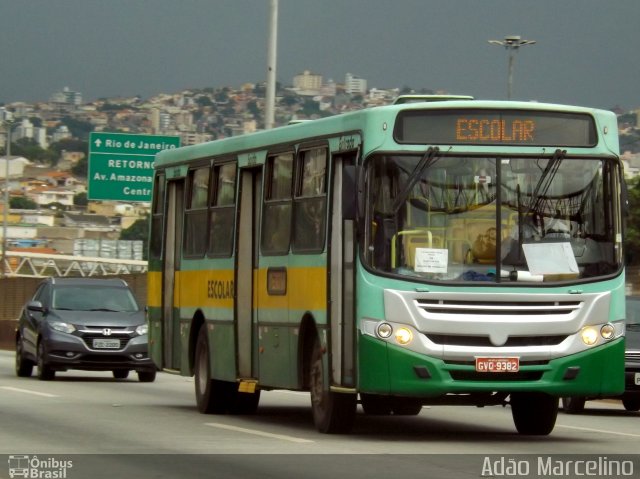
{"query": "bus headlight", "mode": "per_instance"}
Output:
(384, 330)
(607, 331)
(404, 336)
(589, 336)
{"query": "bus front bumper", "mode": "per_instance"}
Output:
(391, 370)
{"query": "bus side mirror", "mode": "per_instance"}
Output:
(352, 202)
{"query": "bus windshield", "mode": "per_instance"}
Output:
(492, 219)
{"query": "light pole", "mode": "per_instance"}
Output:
(270, 97)
(511, 43)
(8, 126)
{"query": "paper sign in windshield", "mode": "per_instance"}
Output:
(431, 260)
(550, 258)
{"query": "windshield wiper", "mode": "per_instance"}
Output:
(426, 161)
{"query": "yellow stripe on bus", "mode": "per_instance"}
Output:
(306, 289)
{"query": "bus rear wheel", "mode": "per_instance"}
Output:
(534, 413)
(332, 412)
(375, 405)
(212, 395)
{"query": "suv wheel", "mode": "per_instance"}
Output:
(24, 366)
(45, 373)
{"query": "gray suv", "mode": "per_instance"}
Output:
(83, 323)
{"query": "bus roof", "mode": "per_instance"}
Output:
(355, 121)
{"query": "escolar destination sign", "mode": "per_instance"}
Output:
(121, 165)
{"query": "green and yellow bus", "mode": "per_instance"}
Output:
(446, 252)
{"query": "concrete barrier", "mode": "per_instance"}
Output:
(8, 334)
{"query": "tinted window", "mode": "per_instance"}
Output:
(310, 201)
(276, 221)
(222, 210)
(195, 241)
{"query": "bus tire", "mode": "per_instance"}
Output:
(573, 404)
(246, 403)
(406, 406)
(333, 413)
(212, 395)
(534, 414)
(375, 405)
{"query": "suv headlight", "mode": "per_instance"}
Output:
(142, 329)
(62, 327)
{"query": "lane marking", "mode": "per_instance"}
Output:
(27, 391)
(257, 433)
(602, 431)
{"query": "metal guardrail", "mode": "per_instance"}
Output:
(39, 265)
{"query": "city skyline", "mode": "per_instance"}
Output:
(585, 51)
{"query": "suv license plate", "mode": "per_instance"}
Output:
(106, 343)
(497, 365)
(637, 379)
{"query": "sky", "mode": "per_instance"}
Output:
(586, 51)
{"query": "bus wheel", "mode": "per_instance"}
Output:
(534, 413)
(631, 404)
(406, 406)
(212, 396)
(573, 404)
(375, 405)
(245, 403)
(332, 412)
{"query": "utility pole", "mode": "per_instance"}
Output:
(8, 125)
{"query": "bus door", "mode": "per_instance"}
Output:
(246, 262)
(342, 278)
(171, 264)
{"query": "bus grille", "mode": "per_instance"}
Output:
(484, 341)
(443, 307)
(632, 356)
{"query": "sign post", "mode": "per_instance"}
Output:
(121, 165)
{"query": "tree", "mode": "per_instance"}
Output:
(139, 230)
(80, 199)
(632, 237)
(22, 203)
(31, 150)
(81, 169)
(78, 128)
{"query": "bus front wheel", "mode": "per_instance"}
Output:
(212, 396)
(534, 413)
(573, 404)
(332, 412)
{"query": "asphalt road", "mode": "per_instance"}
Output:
(123, 428)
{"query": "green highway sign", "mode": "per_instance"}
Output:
(121, 165)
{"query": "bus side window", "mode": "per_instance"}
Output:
(222, 210)
(195, 240)
(276, 219)
(310, 201)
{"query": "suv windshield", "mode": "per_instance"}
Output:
(470, 218)
(92, 298)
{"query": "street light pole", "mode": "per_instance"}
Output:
(8, 125)
(511, 43)
(270, 97)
